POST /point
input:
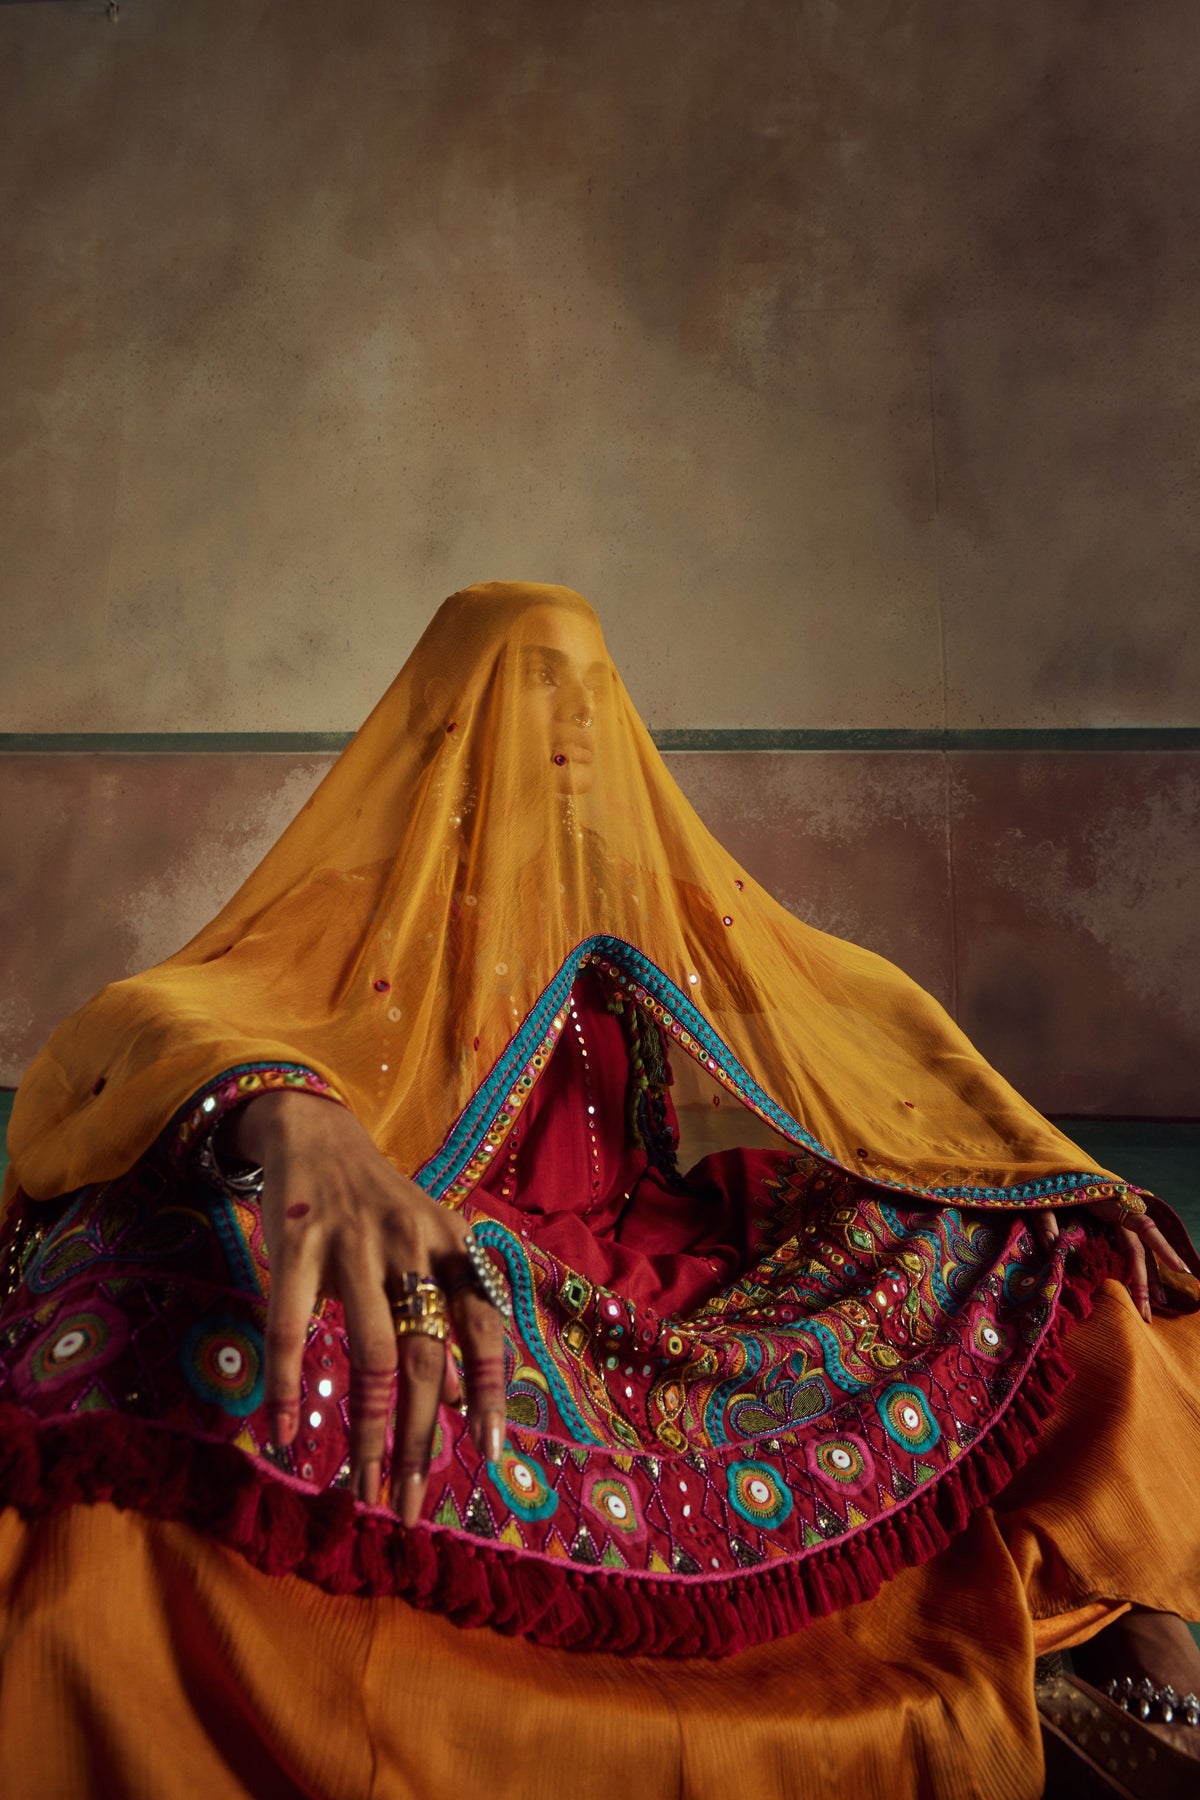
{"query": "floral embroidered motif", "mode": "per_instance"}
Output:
(757, 1493)
(853, 1366)
(222, 1362)
(523, 1485)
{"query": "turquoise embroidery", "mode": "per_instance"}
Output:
(479, 1115)
(245, 1276)
(714, 1412)
(497, 1237)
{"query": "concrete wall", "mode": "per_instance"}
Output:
(845, 355)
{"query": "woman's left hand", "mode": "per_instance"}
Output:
(1136, 1233)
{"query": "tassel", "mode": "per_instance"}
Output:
(47, 1466)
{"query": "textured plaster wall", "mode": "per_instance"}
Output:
(845, 354)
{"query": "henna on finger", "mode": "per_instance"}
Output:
(485, 1404)
(1136, 1278)
(479, 1328)
(419, 1388)
(282, 1424)
(371, 1393)
(1163, 1251)
(487, 1393)
(284, 1346)
(370, 1407)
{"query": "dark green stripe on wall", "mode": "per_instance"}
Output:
(716, 738)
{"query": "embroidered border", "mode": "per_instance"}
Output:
(479, 1131)
(210, 1104)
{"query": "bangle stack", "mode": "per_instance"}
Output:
(243, 1183)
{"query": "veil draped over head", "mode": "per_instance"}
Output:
(501, 818)
(742, 1389)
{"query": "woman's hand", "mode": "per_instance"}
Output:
(339, 1219)
(1135, 1233)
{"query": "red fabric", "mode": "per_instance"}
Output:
(48, 1465)
(662, 1243)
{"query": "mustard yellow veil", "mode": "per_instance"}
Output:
(501, 816)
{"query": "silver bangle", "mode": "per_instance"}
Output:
(244, 1183)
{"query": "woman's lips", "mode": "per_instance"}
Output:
(577, 750)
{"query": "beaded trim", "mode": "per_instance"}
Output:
(481, 1128)
(486, 1281)
(210, 1104)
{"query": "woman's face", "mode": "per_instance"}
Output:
(565, 679)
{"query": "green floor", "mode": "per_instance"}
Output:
(1163, 1158)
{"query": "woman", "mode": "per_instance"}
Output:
(499, 1081)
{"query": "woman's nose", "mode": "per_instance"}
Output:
(574, 703)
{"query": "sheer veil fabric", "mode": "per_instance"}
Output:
(502, 817)
(743, 1391)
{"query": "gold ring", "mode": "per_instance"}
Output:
(432, 1326)
(1130, 1206)
(419, 1310)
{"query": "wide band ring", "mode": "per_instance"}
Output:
(481, 1277)
(434, 1325)
(419, 1308)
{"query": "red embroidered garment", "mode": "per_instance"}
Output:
(746, 1383)
(739, 1397)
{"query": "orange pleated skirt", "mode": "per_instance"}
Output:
(141, 1662)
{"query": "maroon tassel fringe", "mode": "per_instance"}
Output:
(217, 1489)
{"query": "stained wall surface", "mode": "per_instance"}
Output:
(1051, 902)
(844, 354)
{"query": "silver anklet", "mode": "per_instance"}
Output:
(1142, 1697)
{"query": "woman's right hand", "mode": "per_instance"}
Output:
(339, 1220)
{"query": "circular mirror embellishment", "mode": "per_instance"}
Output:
(76, 1342)
(904, 1413)
(222, 1363)
(844, 1462)
(524, 1485)
(1021, 1282)
(993, 1340)
(612, 1501)
(757, 1493)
